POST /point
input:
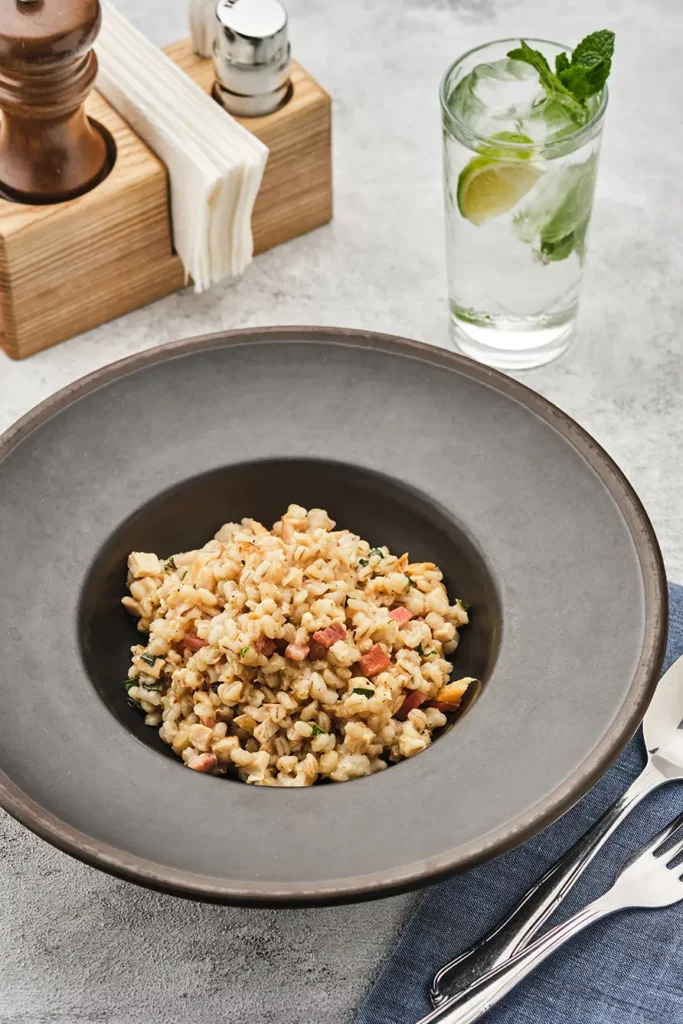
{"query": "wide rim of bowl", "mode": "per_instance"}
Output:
(155, 875)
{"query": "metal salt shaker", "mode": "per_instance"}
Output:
(251, 56)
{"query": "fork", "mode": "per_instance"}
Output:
(647, 879)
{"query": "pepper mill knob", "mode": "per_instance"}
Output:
(49, 150)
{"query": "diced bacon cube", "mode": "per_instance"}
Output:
(373, 662)
(264, 645)
(203, 762)
(194, 642)
(412, 701)
(401, 615)
(328, 637)
(297, 652)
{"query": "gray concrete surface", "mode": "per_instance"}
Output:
(78, 947)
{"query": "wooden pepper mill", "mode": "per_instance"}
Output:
(49, 150)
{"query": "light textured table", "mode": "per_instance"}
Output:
(78, 947)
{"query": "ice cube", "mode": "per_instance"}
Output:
(465, 106)
(548, 121)
(507, 90)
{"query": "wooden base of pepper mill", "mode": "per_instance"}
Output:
(67, 267)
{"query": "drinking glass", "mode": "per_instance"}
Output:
(519, 178)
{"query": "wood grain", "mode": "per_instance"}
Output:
(68, 267)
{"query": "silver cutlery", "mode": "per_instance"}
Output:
(652, 878)
(664, 745)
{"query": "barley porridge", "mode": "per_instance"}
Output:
(292, 655)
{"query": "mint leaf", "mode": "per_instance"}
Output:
(584, 81)
(565, 231)
(590, 65)
(598, 45)
(554, 251)
(550, 82)
(576, 184)
(534, 57)
(561, 63)
(556, 220)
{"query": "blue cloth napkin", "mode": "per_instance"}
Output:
(627, 969)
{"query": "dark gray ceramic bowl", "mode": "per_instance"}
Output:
(410, 446)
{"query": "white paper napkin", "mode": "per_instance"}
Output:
(215, 165)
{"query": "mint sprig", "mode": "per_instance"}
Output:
(550, 82)
(574, 81)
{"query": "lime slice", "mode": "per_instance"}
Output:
(488, 188)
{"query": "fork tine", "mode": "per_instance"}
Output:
(658, 841)
(673, 852)
(654, 846)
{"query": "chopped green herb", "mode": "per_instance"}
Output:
(170, 565)
(411, 583)
(158, 685)
(244, 652)
(149, 659)
(363, 691)
(425, 654)
(465, 607)
(378, 552)
(363, 562)
(131, 682)
(184, 575)
(133, 703)
(316, 730)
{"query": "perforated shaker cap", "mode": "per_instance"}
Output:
(251, 55)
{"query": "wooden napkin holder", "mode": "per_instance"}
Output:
(67, 267)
